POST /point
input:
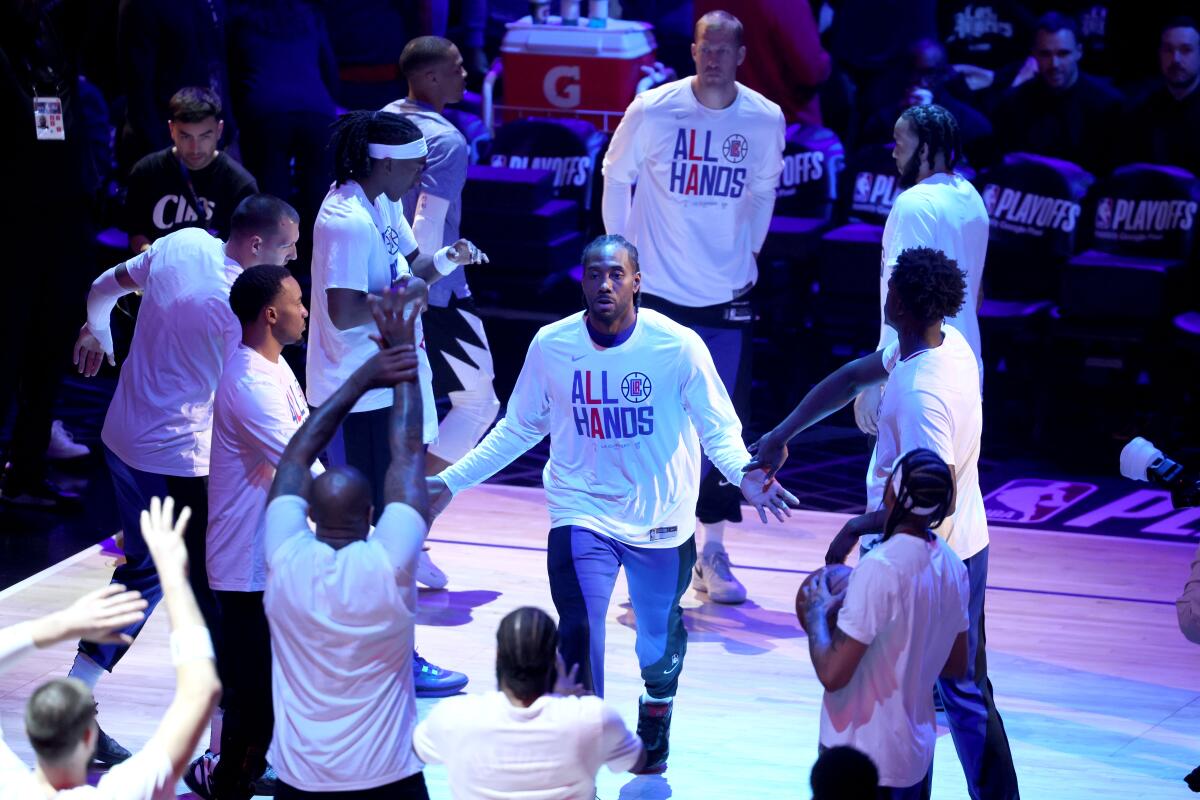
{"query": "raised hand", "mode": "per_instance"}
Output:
(91, 350)
(866, 410)
(464, 252)
(565, 681)
(98, 617)
(397, 309)
(164, 537)
(767, 495)
(770, 452)
(389, 367)
(439, 495)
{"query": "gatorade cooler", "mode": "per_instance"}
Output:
(574, 70)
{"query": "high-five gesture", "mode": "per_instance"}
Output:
(767, 495)
(98, 617)
(164, 537)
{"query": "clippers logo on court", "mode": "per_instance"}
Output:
(1141, 220)
(1026, 213)
(696, 170)
(874, 193)
(599, 412)
(1029, 501)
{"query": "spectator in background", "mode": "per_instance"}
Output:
(284, 76)
(189, 184)
(162, 45)
(1062, 112)
(1168, 121)
(791, 64)
(537, 735)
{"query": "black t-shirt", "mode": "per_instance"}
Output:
(1169, 131)
(1074, 125)
(159, 200)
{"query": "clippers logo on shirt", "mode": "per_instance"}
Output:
(297, 405)
(599, 412)
(697, 172)
(391, 241)
(172, 210)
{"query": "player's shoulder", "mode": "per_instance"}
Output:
(669, 97)
(344, 209)
(565, 328)
(755, 103)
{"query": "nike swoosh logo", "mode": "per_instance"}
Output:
(576, 358)
(674, 666)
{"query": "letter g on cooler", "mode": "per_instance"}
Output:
(561, 86)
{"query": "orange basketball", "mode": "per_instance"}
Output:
(837, 577)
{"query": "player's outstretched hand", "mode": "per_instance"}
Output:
(566, 681)
(97, 617)
(767, 495)
(465, 252)
(90, 352)
(397, 309)
(439, 495)
(770, 452)
(389, 367)
(163, 535)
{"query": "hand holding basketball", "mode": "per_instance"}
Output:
(822, 592)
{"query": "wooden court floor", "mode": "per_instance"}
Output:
(1099, 691)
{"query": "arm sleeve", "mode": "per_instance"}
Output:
(287, 516)
(708, 406)
(621, 165)
(914, 225)
(620, 746)
(442, 182)
(1188, 604)
(867, 607)
(525, 423)
(401, 532)
(429, 222)
(763, 185)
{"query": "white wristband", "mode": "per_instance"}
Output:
(442, 262)
(191, 644)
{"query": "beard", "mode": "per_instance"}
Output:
(910, 170)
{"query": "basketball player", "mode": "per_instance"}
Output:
(939, 209)
(454, 337)
(706, 153)
(362, 244)
(627, 397)
(342, 599)
(901, 623)
(931, 400)
(60, 718)
(258, 406)
(158, 428)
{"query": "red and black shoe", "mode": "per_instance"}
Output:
(654, 729)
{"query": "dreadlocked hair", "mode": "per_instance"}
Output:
(936, 127)
(930, 285)
(526, 644)
(924, 488)
(353, 131)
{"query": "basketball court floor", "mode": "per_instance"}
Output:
(1099, 691)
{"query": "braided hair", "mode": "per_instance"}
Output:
(353, 131)
(936, 127)
(924, 488)
(526, 644)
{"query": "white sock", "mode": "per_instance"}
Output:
(86, 670)
(214, 730)
(660, 701)
(710, 536)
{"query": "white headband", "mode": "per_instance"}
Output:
(414, 149)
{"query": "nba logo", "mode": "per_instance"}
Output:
(1029, 501)
(735, 148)
(1104, 214)
(636, 387)
(991, 193)
(862, 187)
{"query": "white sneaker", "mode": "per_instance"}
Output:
(63, 445)
(428, 573)
(713, 575)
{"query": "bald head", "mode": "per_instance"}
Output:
(719, 21)
(340, 503)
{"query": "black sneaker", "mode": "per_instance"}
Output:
(654, 729)
(431, 680)
(266, 784)
(108, 752)
(199, 775)
(40, 495)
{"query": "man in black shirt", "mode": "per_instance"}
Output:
(1062, 112)
(191, 183)
(1169, 119)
